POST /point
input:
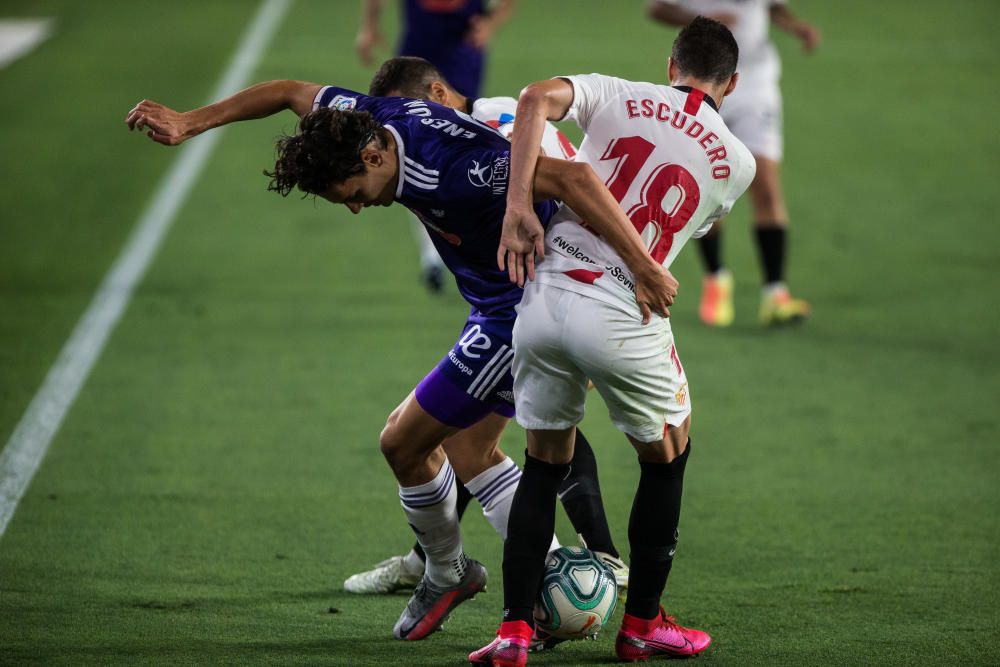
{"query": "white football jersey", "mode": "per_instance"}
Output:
(667, 157)
(498, 113)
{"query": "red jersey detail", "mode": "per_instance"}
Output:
(584, 276)
(675, 359)
(693, 101)
(566, 146)
(494, 123)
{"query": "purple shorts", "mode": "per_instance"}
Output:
(474, 378)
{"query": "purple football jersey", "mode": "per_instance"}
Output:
(453, 176)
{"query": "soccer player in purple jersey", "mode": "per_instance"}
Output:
(451, 171)
(580, 492)
(453, 36)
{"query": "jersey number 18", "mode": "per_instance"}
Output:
(667, 200)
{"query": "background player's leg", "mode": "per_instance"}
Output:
(771, 235)
(580, 494)
(716, 307)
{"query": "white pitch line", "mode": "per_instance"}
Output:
(41, 421)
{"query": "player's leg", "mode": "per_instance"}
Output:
(428, 495)
(638, 373)
(550, 393)
(646, 630)
(580, 495)
(403, 442)
(457, 394)
(771, 235)
(491, 475)
(716, 305)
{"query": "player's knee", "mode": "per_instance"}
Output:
(392, 445)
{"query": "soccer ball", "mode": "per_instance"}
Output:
(578, 594)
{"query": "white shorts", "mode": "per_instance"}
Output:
(562, 339)
(753, 113)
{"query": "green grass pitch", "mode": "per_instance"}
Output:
(219, 475)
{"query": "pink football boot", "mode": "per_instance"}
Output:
(641, 639)
(509, 649)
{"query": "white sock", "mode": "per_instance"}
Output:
(771, 289)
(494, 489)
(413, 562)
(429, 256)
(430, 509)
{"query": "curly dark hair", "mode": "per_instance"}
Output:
(325, 151)
(706, 50)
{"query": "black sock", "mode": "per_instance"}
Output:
(711, 251)
(461, 502)
(771, 245)
(529, 534)
(652, 533)
(580, 494)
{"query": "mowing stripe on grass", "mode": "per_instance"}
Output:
(41, 421)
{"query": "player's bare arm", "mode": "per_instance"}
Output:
(369, 35)
(167, 126)
(579, 187)
(671, 13)
(484, 27)
(522, 237)
(783, 18)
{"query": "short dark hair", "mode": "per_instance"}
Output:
(325, 151)
(706, 50)
(405, 76)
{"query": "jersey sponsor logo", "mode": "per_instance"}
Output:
(490, 175)
(458, 363)
(501, 169)
(573, 251)
(478, 175)
(343, 102)
(474, 339)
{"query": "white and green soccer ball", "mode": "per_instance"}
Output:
(578, 594)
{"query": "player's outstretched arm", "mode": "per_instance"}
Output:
(169, 127)
(369, 35)
(668, 13)
(808, 34)
(581, 189)
(485, 26)
(671, 13)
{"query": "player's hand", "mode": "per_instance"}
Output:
(162, 124)
(808, 34)
(655, 291)
(522, 238)
(480, 32)
(367, 41)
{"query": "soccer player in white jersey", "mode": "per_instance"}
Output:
(668, 158)
(753, 113)
(580, 495)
